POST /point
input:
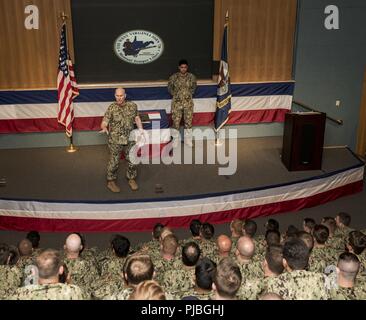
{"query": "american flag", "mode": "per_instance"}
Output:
(223, 100)
(66, 86)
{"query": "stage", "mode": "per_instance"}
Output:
(50, 190)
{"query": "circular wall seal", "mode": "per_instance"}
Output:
(138, 46)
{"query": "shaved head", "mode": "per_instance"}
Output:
(245, 247)
(348, 265)
(224, 243)
(25, 247)
(73, 243)
(48, 263)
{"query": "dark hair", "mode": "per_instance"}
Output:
(330, 223)
(309, 223)
(357, 240)
(195, 227)
(274, 258)
(182, 61)
(4, 253)
(272, 224)
(138, 268)
(291, 231)
(207, 231)
(157, 230)
(320, 233)
(344, 218)
(250, 228)
(204, 271)
(307, 238)
(227, 278)
(273, 237)
(34, 237)
(190, 254)
(121, 246)
(48, 263)
(296, 254)
(14, 255)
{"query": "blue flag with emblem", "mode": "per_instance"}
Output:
(223, 101)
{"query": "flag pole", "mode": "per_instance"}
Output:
(71, 147)
(218, 142)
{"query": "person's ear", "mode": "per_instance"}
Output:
(154, 275)
(81, 247)
(8, 260)
(65, 247)
(213, 287)
(338, 271)
(61, 270)
(284, 263)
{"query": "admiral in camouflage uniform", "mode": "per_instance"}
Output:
(120, 118)
(181, 86)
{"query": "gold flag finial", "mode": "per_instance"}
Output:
(227, 16)
(63, 16)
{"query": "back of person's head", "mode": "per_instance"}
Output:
(348, 266)
(207, 231)
(307, 238)
(237, 226)
(246, 247)
(227, 278)
(83, 241)
(73, 243)
(291, 231)
(34, 237)
(272, 224)
(250, 228)
(48, 263)
(309, 224)
(165, 232)
(357, 240)
(195, 227)
(148, 290)
(157, 230)
(190, 254)
(224, 244)
(330, 223)
(121, 246)
(4, 254)
(320, 233)
(170, 244)
(138, 268)
(296, 254)
(25, 247)
(274, 259)
(9, 255)
(205, 271)
(270, 296)
(13, 255)
(343, 218)
(273, 237)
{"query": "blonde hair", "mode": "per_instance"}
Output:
(148, 290)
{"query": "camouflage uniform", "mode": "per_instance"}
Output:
(299, 285)
(23, 263)
(57, 291)
(123, 294)
(251, 289)
(193, 292)
(182, 88)
(161, 266)
(121, 121)
(10, 280)
(355, 293)
(107, 286)
(208, 248)
(112, 265)
(179, 279)
(320, 258)
(82, 273)
(251, 270)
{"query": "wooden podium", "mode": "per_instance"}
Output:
(303, 141)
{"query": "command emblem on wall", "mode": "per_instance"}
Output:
(138, 46)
